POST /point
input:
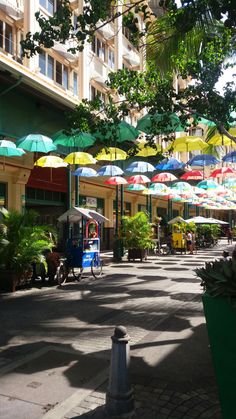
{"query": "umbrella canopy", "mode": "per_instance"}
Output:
(230, 183)
(202, 220)
(80, 157)
(206, 122)
(188, 143)
(181, 187)
(75, 139)
(110, 170)
(218, 221)
(140, 167)
(230, 157)
(75, 214)
(9, 149)
(147, 151)
(161, 187)
(203, 160)
(50, 161)
(164, 177)
(140, 179)
(207, 184)
(170, 164)
(111, 154)
(221, 140)
(118, 133)
(116, 180)
(36, 143)
(176, 220)
(85, 172)
(223, 172)
(160, 123)
(136, 187)
(192, 175)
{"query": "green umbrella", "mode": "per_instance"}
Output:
(36, 143)
(75, 139)
(160, 123)
(8, 149)
(206, 122)
(118, 133)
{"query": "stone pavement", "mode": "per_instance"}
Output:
(55, 343)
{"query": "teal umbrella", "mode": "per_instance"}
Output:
(117, 133)
(75, 139)
(9, 149)
(160, 123)
(36, 143)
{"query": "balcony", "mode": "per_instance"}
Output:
(62, 49)
(98, 71)
(107, 31)
(131, 56)
(13, 8)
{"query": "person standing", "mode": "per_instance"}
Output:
(229, 235)
(189, 239)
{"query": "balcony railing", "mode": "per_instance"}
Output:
(14, 8)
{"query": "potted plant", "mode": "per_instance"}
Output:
(219, 302)
(136, 234)
(21, 244)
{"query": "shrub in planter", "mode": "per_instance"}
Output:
(219, 301)
(136, 234)
(21, 243)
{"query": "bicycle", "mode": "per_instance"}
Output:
(63, 270)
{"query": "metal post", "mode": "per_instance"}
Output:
(150, 208)
(119, 397)
(77, 191)
(197, 211)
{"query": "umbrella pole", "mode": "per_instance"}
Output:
(69, 188)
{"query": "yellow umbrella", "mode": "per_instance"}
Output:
(80, 157)
(50, 161)
(232, 131)
(147, 151)
(221, 140)
(188, 143)
(111, 154)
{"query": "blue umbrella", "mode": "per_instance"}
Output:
(85, 171)
(230, 157)
(203, 160)
(170, 164)
(110, 170)
(140, 167)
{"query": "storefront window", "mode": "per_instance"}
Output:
(3, 195)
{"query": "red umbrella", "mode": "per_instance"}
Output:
(164, 177)
(116, 180)
(138, 179)
(192, 175)
(223, 171)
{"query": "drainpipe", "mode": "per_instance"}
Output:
(19, 81)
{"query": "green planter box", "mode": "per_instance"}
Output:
(221, 325)
(137, 254)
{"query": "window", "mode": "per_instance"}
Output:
(98, 47)
(96, 93)
(50, 69)
(75, 83)
(54, 70)
(58, 72)
(65, 81)
(42, 63)
(6, 37)
(48, 5)
(111, 58)
(3, 195)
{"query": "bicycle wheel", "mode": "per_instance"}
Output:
(77, 273)
(96, 267)
(61, 275)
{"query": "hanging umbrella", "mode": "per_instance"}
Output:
(36, 143)
(110, 170)
(85, 172)
(50, 161)
(170, 164)
(192, 175)
(230, 183)
(147, 151)
(111, 154)
(80, 157)
(177, 220)
(207, 184)
(164, 177)
(203, 160)
(181, 187)
(136, 187)
(221, 140)
(140, 167)
(232, 131)
(206, 122)
(158, 187)
(118, 133)
(222, 172)
(116, 180)
(9, 149)
(188, 143)
(138, 179)
(75, 139)
(160, 123)
(230, 157)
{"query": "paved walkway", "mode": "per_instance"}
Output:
(55, 343)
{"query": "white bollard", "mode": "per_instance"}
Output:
(119, 397)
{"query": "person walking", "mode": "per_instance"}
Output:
(229, 235)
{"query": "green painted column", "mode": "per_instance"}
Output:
(77, 191)
(68, 229)
(169, 210)
(197, 211)
(150, 208)
(230, 218)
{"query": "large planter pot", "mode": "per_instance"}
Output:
(221, 325)
(137, 254)
(8, 281)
